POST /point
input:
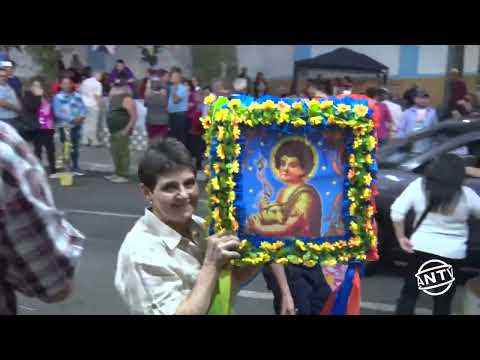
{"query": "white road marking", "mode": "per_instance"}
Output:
(26, 308)
(103, 213)
(260, 295)
(91, 166)
(255, 295)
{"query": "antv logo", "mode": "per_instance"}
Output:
(435, 277)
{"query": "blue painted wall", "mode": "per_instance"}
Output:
(301, 52)
(408, 61)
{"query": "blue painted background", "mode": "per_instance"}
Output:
(326, 181)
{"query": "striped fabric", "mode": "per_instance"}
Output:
(38, 247)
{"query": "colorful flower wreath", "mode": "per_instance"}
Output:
(224, 126)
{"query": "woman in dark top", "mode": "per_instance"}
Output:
(260, 86)
(38, 116)
(156, 103)
(121, 118)
(196, 144)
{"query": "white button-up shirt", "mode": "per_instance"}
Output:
(157, 268)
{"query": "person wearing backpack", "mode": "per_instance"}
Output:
(442, 207)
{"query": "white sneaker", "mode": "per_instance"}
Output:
(110, 177)
(78, 173)
(54, 176)
(119, 180)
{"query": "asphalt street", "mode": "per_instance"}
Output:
(105, 212)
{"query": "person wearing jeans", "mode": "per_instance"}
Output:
(178, 107)
(121, 119)
(70, 112)
(38, 113)
(442, 208)
(72, 135)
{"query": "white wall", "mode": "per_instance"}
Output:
(432, 59)
(26, 68)
(275, 61)
(470, 64)
(389, 55)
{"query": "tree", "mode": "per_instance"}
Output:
(48, 57)
(150, 55)
(8, 48)
(214, 61)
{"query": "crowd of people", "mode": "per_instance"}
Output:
(174, 105)
(73, 103)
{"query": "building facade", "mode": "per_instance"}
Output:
(103, 57)
(425, 65)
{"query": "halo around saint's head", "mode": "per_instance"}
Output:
(295, 146)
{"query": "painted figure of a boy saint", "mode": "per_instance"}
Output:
(297, 210)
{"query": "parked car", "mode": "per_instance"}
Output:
(402, 161)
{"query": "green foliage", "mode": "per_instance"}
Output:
(207, 61)
(8, 48)
(151, 56)
(47, 56)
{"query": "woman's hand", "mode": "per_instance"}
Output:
(221, 249)
(406, 244)
(287, 305)
(125, 132)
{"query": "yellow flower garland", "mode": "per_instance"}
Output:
(222, 124)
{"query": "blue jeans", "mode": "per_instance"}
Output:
(75, 135)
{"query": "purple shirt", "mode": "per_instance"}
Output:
(115, 73)
(45, 115)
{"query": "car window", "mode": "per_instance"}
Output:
(416, 147)
(469, 153)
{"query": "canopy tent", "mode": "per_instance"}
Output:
(110, 48)
(340, 61)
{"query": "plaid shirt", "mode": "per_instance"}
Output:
(38, 247)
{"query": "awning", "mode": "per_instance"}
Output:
(341, 60)
(110, 48)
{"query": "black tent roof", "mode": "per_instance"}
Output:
(343, 59)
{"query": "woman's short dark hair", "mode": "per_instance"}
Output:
(67, 75)
(191, 87)
(163, 157)
(87, 72)
(299, 150)
(443, 183)
(371, 92)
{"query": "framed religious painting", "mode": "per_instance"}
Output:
(295, 179)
